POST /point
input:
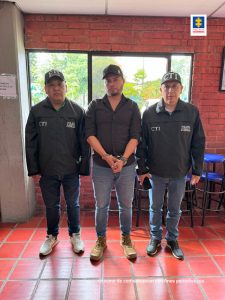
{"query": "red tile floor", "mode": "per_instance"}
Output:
(64, 275)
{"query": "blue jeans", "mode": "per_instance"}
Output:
(103, 182)
(50, 188)
(175, 188)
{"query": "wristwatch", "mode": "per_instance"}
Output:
(124, 160)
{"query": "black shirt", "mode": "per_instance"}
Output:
(113, 129)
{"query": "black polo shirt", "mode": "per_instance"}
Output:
(113, 129)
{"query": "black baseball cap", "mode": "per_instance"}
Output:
(112, 69)
(171, 76)
(54, 74)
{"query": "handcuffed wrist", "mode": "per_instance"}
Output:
(124, 160)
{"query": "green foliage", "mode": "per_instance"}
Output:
(73, 66)
(99, 63)
(182, 65)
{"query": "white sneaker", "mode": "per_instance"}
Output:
(77, 243)
(49, 243)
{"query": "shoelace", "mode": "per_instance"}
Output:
(127, 242)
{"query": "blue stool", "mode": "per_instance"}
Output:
(212, 179)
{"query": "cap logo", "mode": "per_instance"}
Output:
(53, 73)
(170, 76)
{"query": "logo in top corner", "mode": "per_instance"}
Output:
(198, 25)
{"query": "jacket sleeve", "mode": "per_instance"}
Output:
(84, 163)
(31, 145)
(135, 128)
(142, 149)
(197, 147)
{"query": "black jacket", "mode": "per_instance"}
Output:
(55, 142)
(171, 143)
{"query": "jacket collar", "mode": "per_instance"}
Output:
(160, 107)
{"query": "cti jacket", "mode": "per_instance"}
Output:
(171, 143)
(55, 141)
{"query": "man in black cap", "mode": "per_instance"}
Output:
(57, 150)
(113, 126)
(172, 142)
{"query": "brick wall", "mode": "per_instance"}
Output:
(145, 34)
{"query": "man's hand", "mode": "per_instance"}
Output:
(195, 179)
(118, 166)
(111, 160)
(142, 177)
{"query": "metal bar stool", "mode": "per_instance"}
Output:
(214, 183)
(139, 194)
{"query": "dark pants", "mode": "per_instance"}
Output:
(50, 188)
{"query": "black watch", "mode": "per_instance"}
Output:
(124, 160)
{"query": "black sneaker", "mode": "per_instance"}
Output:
(153, 247)
(175, 249)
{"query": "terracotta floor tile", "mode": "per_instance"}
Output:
(220, 260)
(152, 288)
(88, 233)
(27, 269)
(39, 235)
(192, 248)
(185, 289)
(7, 225)
(51, 289)
(202, 266)
(140, 247)
(20, 235)
(220, 231)
(139, 234)
(114, 274)
(18, 290)
(215, 246)
(43, 223)
(4, 232)
(11, 250)
(32, 250)
(84, 268)
(33, 223)
(214, 288)
(117, 267)
(63, 249)
(84, 289)
(5, 267)
(203, 232)
(187, 233)
(113, 233)
(174, 267)
(57, 268)
(118, 289)
(113, 249)
(87, 219)
(146, 266)
(215, 220)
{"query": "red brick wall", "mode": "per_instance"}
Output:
(145, 34)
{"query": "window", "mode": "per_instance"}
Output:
(142, 77)
(182, 65)
(73, 66)
(142, 74)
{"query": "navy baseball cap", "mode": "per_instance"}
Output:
(112, 69)
(54, 74)
(171, 76)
